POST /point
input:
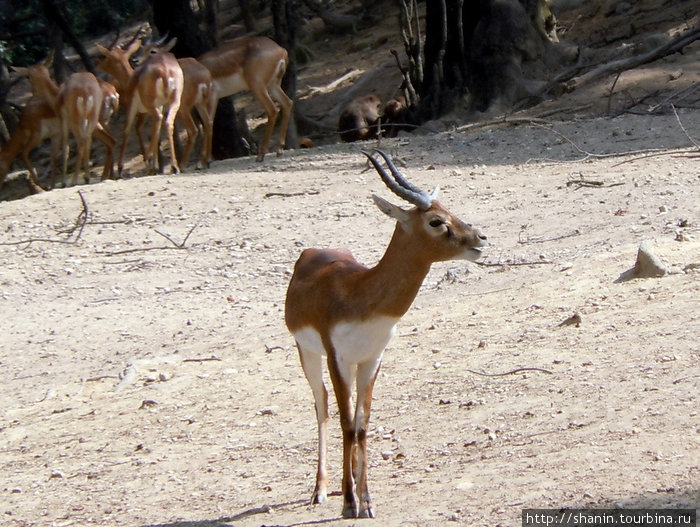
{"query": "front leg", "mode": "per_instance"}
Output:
(366, 376)
(342, 387)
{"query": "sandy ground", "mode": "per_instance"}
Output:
(151, 381)
(148, 378)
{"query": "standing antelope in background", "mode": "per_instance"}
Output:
(78, 103)
(37, 122)
(197, 92)
(155, 88)
(339, 309)
(256, 64)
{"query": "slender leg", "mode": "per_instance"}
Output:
(313, 369)
(64, 149)
(88, 151)
(102, 135)
(170, 130)
(131, 115)
(286, 107)
(207, 127)
(366, 375)
(151, 164)
(191, 129)
(342, 378)
(140, 118)
(266, 102)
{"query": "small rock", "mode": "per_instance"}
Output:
(647, 265)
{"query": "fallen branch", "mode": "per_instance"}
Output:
(202, 359)
(314, 90)
(517, 370)
(291, 194)
(582, 182)
(512, 264)
(177, 245)
(646, 154)
(617, 66)
(80, 221)
(693, 141)
(100, 378)
(159, 248)
(79, 225)
(544, 240)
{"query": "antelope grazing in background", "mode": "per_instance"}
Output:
(78, 103)
(155, 88)
(256, 64)
(339, 309)
(37, 122)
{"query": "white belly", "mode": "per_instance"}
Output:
(230, 85)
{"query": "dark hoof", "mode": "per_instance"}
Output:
(350, 511)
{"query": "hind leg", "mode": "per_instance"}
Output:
(312, 363)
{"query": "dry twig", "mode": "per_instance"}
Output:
(544, 240)
(291, 194)
(517, 370)
(79, 225)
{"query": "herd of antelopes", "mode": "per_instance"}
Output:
(164, 88)
(161, 87)
(336, 308)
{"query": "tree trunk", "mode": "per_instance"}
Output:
(55, 38)
(432, 86)
(247, 14)
(211, 16)
(176, 18)
(55, 13)
(8, 119)
(484, 48)
(285, 22)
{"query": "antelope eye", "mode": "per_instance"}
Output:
(436, 222)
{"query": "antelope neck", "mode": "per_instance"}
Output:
(394, 282)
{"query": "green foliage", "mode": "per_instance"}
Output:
(23, 23)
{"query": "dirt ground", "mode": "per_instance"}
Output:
(148, 378)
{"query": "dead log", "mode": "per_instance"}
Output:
(674, 45)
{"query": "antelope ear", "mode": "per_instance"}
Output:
(435, 193)
(390, 209)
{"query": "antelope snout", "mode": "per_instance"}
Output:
(481, 238)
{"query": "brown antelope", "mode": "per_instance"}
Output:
(339, 309)
(256, 64)
(197, 92)
(79, 103)
(155, 89)
(360, 119)
(37, 122)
